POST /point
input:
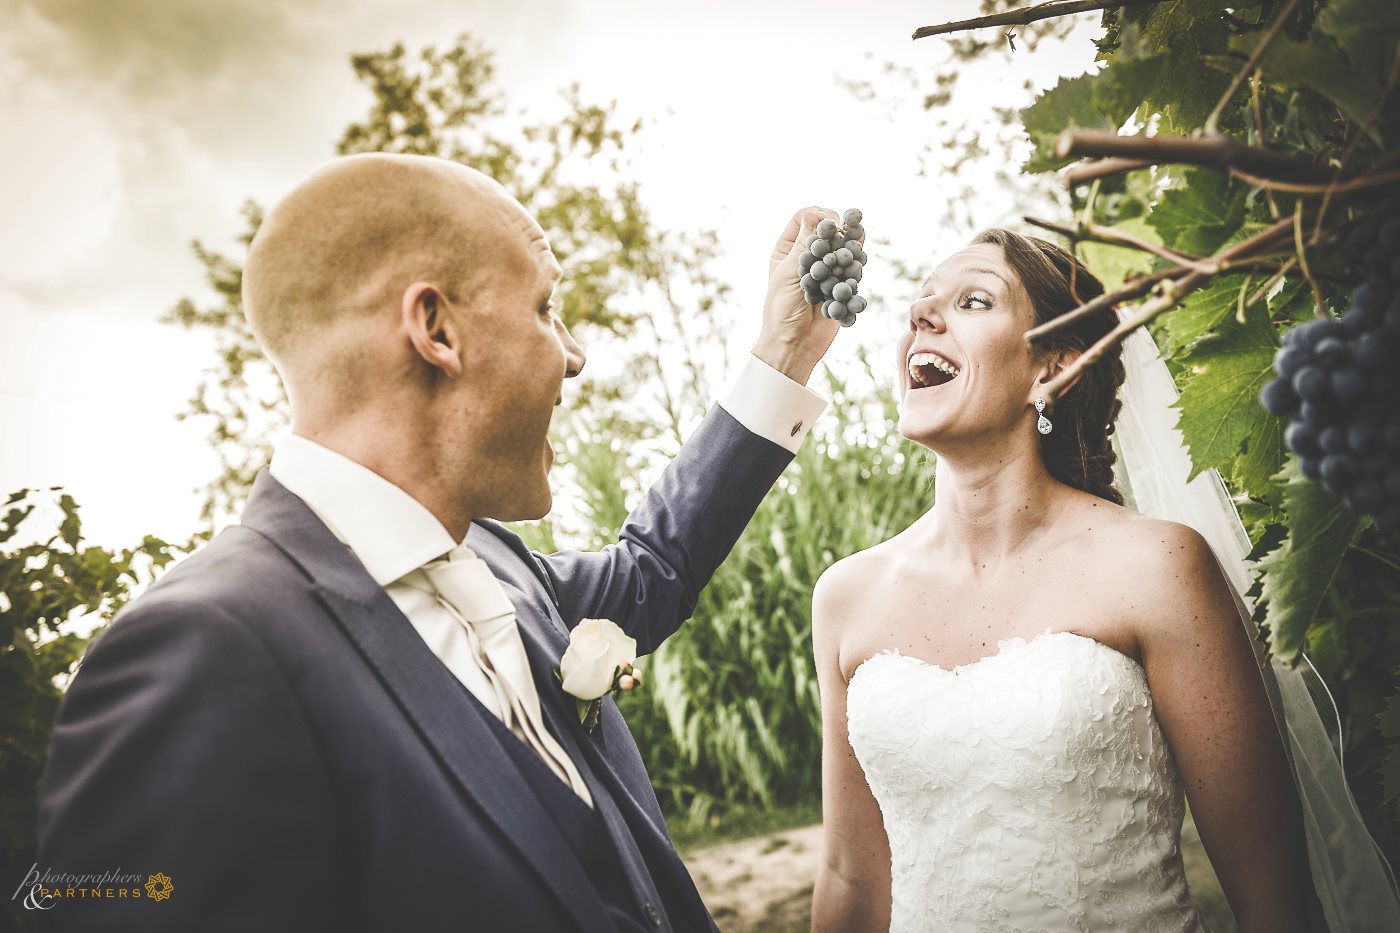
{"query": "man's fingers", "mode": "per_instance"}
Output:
(802, 225)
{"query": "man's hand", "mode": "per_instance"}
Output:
(794, 335)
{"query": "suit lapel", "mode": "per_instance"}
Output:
(426, 691)
(544, 644)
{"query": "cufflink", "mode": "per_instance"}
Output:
(795, 428)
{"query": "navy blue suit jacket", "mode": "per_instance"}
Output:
(266, 728)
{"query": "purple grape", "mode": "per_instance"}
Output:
(1347, 384)
(1301, 438)
(1333, 439)
(1310, 383)
(1332, 352)
(1288, 360)
(1371, 352)
(1338, 472)
(1278, 398)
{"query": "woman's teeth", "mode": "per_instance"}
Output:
(921, 363)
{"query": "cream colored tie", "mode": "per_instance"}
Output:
(472, 594)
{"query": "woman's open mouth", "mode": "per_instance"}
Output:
(927, 370)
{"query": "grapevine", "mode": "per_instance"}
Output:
(1337, 382)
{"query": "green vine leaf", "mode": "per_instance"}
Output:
(1222, 421)
(1114, 264)
(1186, 32)
(1365, 30)
(1201, 312)
(1298, 575)
(1068, 105)
(1319, 66)
(1199, 213)
(1101, 101)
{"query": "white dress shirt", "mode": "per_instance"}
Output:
(393, 535)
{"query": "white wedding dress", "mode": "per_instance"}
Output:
(1029, 791)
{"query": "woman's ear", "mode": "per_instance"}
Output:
(429, 328)
(1055, 363)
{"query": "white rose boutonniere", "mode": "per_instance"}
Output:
(601, 659)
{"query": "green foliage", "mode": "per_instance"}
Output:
(1221, 418)
(1198, 213)
(731, 715)
(1298, 575)
(52, 591)
(1330, 582)
(1186, 32)
(1365, 31)
(1088, 102)
(1319, 66)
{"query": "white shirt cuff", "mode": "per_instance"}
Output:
(771, 405)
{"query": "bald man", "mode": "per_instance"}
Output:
(343, 713)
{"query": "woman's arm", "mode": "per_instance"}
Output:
(853, 880)
(1209, 697)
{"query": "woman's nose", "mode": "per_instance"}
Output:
(924, 314)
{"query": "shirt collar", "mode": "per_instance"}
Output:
(390, 532)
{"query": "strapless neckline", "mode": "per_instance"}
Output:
(1031, 789)
(1005, 647)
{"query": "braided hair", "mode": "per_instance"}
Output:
(1079, 451)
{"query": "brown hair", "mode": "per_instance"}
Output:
(1078, 452)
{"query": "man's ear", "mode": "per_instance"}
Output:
(1055, 363)
(429, 328)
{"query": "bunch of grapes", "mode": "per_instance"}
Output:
(832, 267)
(1338, 381)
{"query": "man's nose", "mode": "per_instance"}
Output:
(573, 353)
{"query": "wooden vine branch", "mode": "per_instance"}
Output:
(1027, 15)
(1103, 168)
(1134, 289)
(1097, 234)
(1171, 292)
(1359, 183)
(1220, 152)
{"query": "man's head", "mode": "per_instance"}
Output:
(406, 303)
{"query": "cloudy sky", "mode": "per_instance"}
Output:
(137, 126)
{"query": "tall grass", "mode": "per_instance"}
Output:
(730, 715)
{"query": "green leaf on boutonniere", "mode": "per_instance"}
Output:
(589, 712)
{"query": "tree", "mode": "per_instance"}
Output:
(53, 592)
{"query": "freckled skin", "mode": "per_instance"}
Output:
(1006, 551)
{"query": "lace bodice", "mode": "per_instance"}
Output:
(1029, 791)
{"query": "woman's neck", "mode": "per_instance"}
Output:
(993, 504)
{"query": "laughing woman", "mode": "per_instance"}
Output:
(1020, 688)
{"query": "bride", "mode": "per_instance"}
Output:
(1017, 689)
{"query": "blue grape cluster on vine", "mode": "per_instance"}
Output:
(1339, 384)
(832, 267)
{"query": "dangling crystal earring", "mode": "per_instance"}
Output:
(1042, 423)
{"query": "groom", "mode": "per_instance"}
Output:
(343, 713)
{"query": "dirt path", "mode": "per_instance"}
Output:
(760, 884)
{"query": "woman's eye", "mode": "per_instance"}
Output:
(974, 303)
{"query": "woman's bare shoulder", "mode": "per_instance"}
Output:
(846, 584)
(1164, 574)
